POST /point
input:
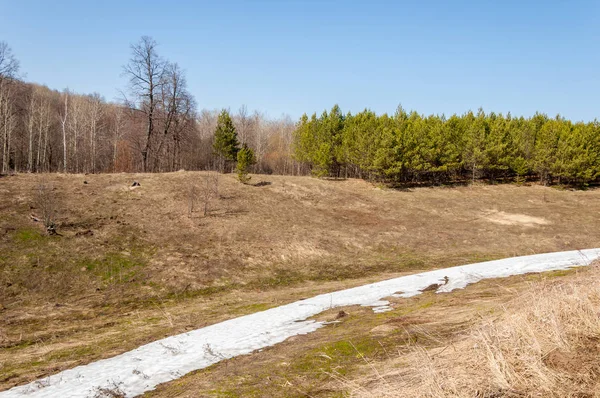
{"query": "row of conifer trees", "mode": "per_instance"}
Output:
(412, 148)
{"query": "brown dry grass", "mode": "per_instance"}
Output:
(150, 269)
(543, 343)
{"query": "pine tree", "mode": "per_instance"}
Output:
(245, 159)
(360, 140)
(410, 147)
(474, 156)
(226, 145)
(522, 147)
(545, 150)
(497, 152)
(303, 140)
(318, 142)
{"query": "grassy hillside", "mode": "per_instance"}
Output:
(135, 264)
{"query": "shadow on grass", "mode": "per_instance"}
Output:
(261, 184)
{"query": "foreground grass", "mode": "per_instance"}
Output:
(134, 265)
(364, 351)
(542, 343)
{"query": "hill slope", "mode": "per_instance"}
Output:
(133, 265)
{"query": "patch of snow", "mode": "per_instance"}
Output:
(377, 303)
(382, 308)
(142, 369)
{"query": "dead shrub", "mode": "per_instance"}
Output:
(46, 201)
(204, 193)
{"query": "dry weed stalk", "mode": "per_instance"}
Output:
(205, 192)
(47, 202)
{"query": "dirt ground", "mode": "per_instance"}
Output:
(134, 264)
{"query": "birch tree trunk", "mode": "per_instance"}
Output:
(30, 129)
(63, 121)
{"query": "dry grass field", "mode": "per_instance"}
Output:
(542, 343)
(135, 264)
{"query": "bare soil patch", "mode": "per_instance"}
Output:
(502, 218)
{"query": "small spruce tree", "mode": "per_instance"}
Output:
(226, 145)
(245, 159)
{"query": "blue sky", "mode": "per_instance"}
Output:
(304, 56)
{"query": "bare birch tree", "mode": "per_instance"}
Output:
(244, 125)
(32, 113)
(260, 143)
(64, 114)
(93, 114)
(8, 124)
(75, 125)
(9, 69)
(45, 121)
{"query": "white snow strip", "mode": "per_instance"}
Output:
(142, 369)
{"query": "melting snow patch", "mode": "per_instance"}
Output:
(378, 303)
(382, 308)
(134, 372)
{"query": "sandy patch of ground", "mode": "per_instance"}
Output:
(503, 218)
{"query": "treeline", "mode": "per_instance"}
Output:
(412, 148)
(157, 128)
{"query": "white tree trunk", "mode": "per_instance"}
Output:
(64, 130)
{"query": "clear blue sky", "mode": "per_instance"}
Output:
(304, 56)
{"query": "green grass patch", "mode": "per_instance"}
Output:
(252, 308)
(115, 267)
(559, 273)
(74, 353)
(221, 393)
(279, 277)
(338, 357)
(28, 235)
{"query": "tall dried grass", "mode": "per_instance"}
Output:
(544, 343)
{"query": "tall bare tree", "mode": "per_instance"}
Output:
(43, 130)
(44, 115)
(76, 111)
(260, 143)
(117, 115)
(94, 116)
(244, 124)
(8, 122)
(178, 109)
(171, 89)
(9, 66)
(64, 114)
(9, 69)
(146, 70)
(31, 122)
(184, 128)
